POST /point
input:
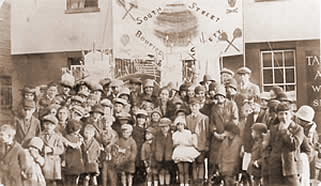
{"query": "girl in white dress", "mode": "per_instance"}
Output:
(184, 150)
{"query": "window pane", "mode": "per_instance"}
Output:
(267, 59)
(267, 76)
(278, 61)
(278, 76)
(267, 88)
(91, 3)
(289, 58)
(290, 88)
(289, 75)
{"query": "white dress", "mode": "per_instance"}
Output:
(185, 150)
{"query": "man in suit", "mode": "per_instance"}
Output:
(27, 125)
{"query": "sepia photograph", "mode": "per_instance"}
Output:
(160, 93)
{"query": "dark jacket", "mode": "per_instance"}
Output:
(25, 131)
(163, 147)
(12, 164)
(285, 154)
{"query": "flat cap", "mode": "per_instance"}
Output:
(120, 101)
(124, 116)
(98, 108)
(106, 102)
(164, 122)
(28, 89)
(79, 109)
(227, 71)
(199, 89)
(259, 127)
(77, 98)
(50, 118)
(141, 112)
(243, 70)
(283, 106)
(124, 91)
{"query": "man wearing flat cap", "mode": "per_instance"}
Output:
(226, 74)
(245, 85)
(285, 139)
(27, 125)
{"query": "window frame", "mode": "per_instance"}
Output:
(9, 87)
(70, 10)
(283, 68)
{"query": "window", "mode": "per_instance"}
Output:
(188, 70)
(278, 68)
(5, 92)
(76, 67)
(81, 6)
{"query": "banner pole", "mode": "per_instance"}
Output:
(243, 22)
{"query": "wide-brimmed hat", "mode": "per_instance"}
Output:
(305, 113)
(116, 83)
(36, 142)
(206, 78)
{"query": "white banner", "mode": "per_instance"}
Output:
(165, 27)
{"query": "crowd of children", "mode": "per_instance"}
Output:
(217, 132)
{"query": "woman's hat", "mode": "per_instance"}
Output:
(305, 113)
(36, 142)
(221, 91)
(127, 127)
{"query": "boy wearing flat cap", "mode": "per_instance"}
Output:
(53, 148)
(128, 146)
(285, 141)
(245, 85)
(163, 147)
(27, 125)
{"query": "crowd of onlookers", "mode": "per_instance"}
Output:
(218, 132)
